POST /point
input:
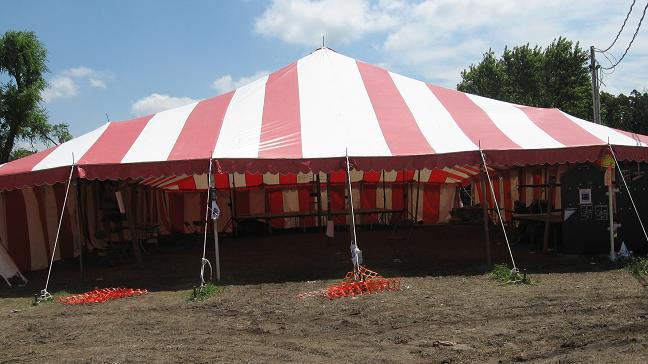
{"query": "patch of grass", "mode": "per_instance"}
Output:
(55, 296)
(207, 291)
(638, 266)
(502, 273)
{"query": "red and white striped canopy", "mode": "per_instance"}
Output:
(307, 115)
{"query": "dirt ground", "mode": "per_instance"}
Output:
(580, 310)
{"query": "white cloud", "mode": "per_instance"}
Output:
(436, 39)
(60, 87)
(66, 83)
(155, 102)
(227, 83)
(340, 21)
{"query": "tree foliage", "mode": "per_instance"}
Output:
(22, 67)
(555, 76)
(626, 112)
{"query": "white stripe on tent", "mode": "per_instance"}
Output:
(271, 179)
(62, 155)
(158, 137)
(37, 250)
(241, 131)
(342, 116)
(603, 132)
(514, 123)
(436, 124)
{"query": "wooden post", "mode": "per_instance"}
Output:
(319, 201)
(548, 192)
(484, 202)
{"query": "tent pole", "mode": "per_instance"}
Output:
(319, 201)
(484, 203)
(233, 204)
(548, 190)
(418, 193)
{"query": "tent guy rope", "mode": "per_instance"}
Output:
(499, 213)
(616, 163)
(204, 261)
(44, 294)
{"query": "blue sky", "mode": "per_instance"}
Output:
(127, 58)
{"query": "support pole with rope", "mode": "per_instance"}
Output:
(616, 163)
(204, 261)
(44, 294)
(356, 253)
(499, 214)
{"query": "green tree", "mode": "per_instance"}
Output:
(625, 112)
(555, 76)
(23, 59)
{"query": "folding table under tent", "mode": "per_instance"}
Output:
(300, 120)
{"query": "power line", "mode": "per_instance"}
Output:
(631, 41)
(620, 30)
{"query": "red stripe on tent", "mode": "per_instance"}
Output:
(288, 179)
(401, 132)
(537, 179)
(368, 201)
(176, 208)
(508, 200)
(431, 203)
(221, 181)
(253, 180)
(115, 141)
(472, 120)
(66, 239)
(638, 137)
(275, 201)
(337, 177)
(371, 176)
(560, 127)
(281, 124)
(188, 183)
(440, 176)
(25, 164)
(17, 230)
(201, 130)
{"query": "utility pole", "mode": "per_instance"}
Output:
(596, 97)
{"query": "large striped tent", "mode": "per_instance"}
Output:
(307, 115)
(291, 128)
